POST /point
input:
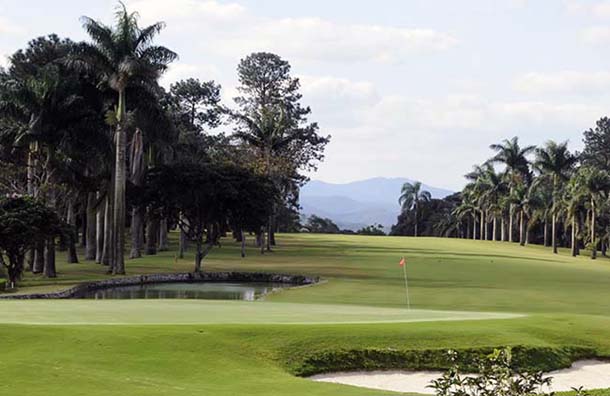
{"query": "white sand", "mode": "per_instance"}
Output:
(590, 374)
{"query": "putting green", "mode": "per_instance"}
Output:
(118, 312)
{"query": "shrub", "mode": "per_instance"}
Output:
(497, 376)
(523, 358)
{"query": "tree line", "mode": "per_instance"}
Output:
(546, 195)
(86, 130)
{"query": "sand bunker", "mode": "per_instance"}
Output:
(590, 374)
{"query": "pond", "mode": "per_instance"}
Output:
(199, 290)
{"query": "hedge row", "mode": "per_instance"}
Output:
(524, 359)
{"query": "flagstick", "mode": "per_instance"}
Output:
(404, 269)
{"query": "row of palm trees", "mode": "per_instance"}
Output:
(538, 188)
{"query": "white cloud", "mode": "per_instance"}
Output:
(298, 38)
(598, 9)
(178, 71)
(564, 82)
(596, 35)
(197, 11)
(322, 40)
(8, 27)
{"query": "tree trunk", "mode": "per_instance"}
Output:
(119, 190)
(474, 226)
(554, 230)
(546, 232)
(262, 240)
(90, 247)
(198, 256)
(502, 229)
(593, 241)
(510, 223)
(83, 223)
(137, 224)
(521, 229)
(574, 248)
(152, 234)
(49, 259)
(72, 257)
(269, 227)
(108, 249)
(416, 221)
(99, 231)
(243, 243)
(38, 264)
(163, 244)
(201, 254)
(494, 231)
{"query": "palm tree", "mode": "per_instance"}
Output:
(595, 184)
(411, 195)
(514, 158)
(555, 164)
(492, 187)
(122, 56)
(574, 201)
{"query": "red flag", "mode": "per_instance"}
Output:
(402, 261)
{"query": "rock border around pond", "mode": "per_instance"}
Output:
(189, 277)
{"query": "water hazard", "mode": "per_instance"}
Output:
(205, 291)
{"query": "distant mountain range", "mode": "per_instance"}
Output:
(358, 204)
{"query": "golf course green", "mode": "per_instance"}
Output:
(464, 294)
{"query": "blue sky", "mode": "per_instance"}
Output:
(407, 88)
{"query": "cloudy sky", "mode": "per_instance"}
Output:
(413, 88)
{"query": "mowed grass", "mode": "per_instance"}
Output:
(249, 348)
(70, 312)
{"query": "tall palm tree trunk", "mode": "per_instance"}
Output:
(137, 229)
(119, 189)
(574, 242)
(152, 234)
(99, 231)
(510, 223)
(72, 257)
(91, 229)
(502, 229)
(416, 220)
(163, 242)
(554, 230)
(474, 226)
(522, 228)
(593, 241)
(546, 231)
(108, 249)
(495, 228)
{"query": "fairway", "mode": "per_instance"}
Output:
(464, 294)
(83, 312)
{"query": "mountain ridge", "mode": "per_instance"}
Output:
(359, 203)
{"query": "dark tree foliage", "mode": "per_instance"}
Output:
(196, 104)
(23, 223)
(319, 225)
(373, 229)
(202, 198)
(435, 218)
(596, 152)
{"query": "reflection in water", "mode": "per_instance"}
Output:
(206, 291)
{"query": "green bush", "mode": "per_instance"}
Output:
(2, 284)
(524, 358)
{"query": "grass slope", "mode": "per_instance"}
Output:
(565, 299)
